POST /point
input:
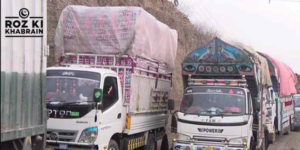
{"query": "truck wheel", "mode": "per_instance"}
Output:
(252, 144)
(151, 143)
(165, 143)
(113, 145)
(288, 130)
(266, 139)
(273, 138)
(293, 127)
(263, 145)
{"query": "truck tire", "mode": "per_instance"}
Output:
(263, 145)
(151, 143)
(252, 144)
(266, 139)
(272, 138)
(288, 130)
(113, 145)
(165, 143)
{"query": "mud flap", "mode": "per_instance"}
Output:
(27, 144)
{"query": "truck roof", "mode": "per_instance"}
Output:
(98, 70)
(219, 58)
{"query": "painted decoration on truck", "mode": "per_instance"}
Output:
(125, 62)
(128, 78)
(127, 96)
(105, 61)
(218, 57)
(121, 77)
(87, 60)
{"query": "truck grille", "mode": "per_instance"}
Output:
(61, 135)
(216, 141)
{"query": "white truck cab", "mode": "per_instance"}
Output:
(219, 117)
(73, 117)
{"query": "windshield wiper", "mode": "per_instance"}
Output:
(74, 102)
(57, 99)
(215, 115)
(184, 114)
(68, 103)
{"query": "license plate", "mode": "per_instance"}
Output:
(63, 146)
(209, 148)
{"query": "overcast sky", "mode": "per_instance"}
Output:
(270, 28)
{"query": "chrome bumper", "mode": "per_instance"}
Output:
(60, 145)
(187, 145)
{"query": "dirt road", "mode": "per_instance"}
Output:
(287, 142)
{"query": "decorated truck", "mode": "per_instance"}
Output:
(297, 111)
(224, 101)
(112, 86)
(280, 104)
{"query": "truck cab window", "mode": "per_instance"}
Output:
(110, 92)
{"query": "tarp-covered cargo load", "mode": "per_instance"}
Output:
(115, 30)
(287, 78)
(220, 58)
(263, 63)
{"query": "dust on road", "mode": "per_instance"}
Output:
(287, 142)
(284, 142)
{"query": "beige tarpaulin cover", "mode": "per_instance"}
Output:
(115, 30)
(266, 78)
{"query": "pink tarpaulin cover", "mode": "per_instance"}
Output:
(287, 77)
(111, 30)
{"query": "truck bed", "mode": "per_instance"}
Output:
(145, 83)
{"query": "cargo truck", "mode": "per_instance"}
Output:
(280, 104)
(297, 111)
(23, 74)
(112, 86)
(223, 105)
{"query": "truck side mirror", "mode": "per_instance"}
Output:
(174, 124)
(98, 95)
(171, 104)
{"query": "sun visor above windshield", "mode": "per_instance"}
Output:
(217, 58)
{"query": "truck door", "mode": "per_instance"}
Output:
(110, 118)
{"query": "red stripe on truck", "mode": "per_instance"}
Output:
(288, 103)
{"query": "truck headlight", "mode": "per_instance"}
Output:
(89, 135)
(184, 137)
(238, 141)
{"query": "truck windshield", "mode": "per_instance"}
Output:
(71, 86)
(214, 101)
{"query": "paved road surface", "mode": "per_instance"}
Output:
(287, 142)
